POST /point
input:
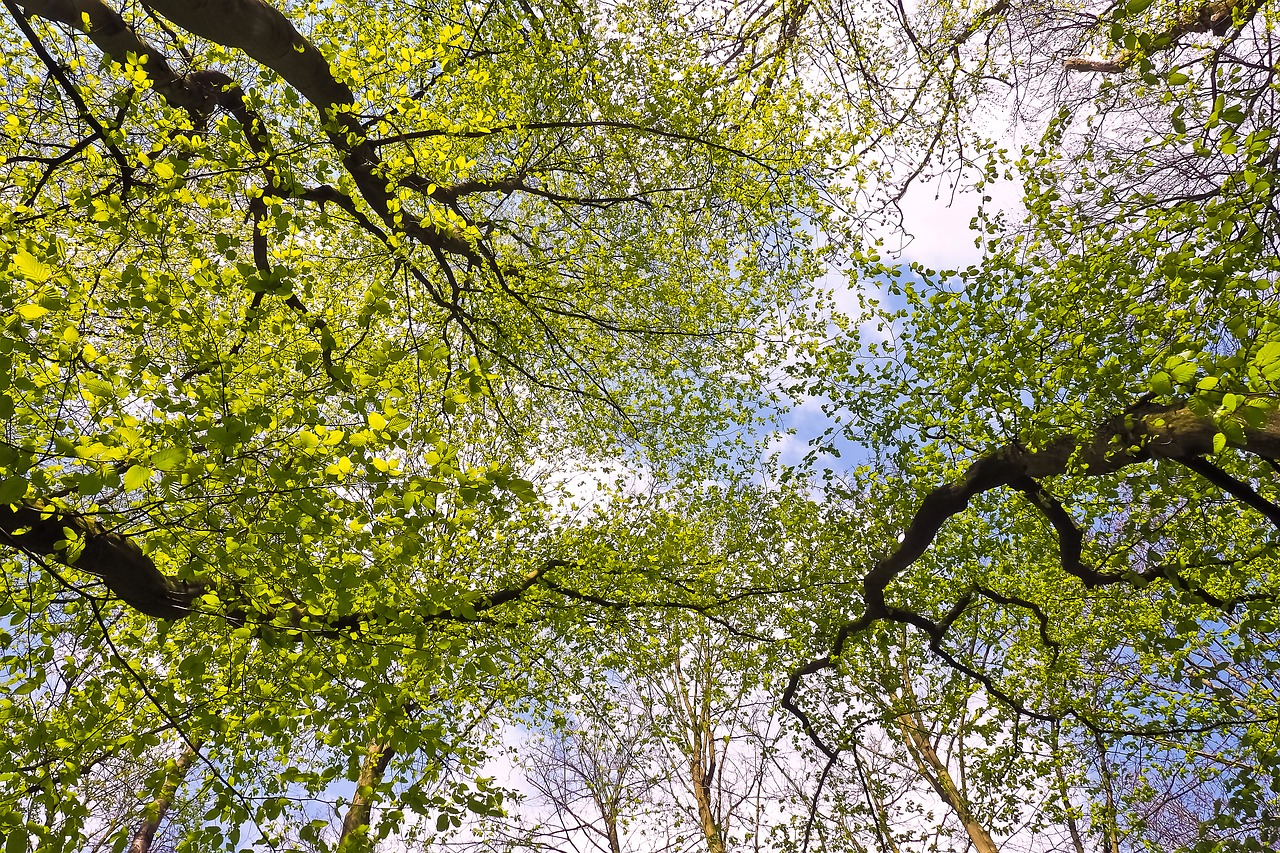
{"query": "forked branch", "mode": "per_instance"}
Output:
(1148, 432)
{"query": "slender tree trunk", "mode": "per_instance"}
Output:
(176, 771)
(608, 806)
(1077, 840)
(701, 746)
(611, 829)
(356, 822)
(702, 778)
(932, 767)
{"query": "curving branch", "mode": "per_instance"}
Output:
(46, 533)
(1218, 17)
(268, 37)
(1147, 432)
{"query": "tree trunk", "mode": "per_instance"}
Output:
(157, 809)
(934, 769)
(702, 781)
(356, 822)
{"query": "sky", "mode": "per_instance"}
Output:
(937, 222)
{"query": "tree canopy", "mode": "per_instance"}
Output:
(390, 391)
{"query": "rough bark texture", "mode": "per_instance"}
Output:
(40, 531)
(36, 529)
(934, 770)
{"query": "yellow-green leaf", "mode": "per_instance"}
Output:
(136, 476)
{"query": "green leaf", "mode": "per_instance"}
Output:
(1161, 384)
(136, 477)
(1180, 368)
(1268, 361)
(97, 387)
(17, 840)
(12, 490)
(522, 489)
(1219, 442)
(31, 266)
(28, 687)
(31, 311)
(169, 458)
(306, 439)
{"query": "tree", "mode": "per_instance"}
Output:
(297, 297)
(294, 295)
(1082, 431)
(590, 777)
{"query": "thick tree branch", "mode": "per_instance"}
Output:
(1147, 432)
(118, 40)
(44, 532)
(266, 35)
(1217, 16)
(1238, 489)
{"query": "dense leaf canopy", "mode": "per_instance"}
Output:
(385, 384)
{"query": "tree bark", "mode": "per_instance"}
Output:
(176, 771)
(36, 528)
(935, 772)
(1217, 16)
(266, 35)
(115, 38)
(356, 822)
(702, 778)
(1146, 432)
(1149, 432)
(694, 702)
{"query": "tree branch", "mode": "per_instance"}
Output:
(1238, 489)
(1217, 16)
(1146, 432)
(42, 531)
